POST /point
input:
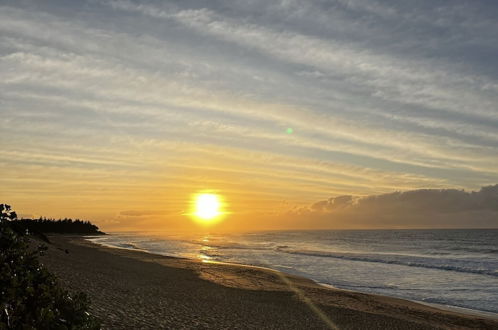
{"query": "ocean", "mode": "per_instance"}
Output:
(449, 267)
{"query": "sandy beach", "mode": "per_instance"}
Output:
(138, 290)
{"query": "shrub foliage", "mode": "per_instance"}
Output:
(30, 297)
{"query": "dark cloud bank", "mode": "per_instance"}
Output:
(424, 208)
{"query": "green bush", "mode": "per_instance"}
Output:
(30, 297)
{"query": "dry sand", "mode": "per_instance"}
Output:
(137, 290)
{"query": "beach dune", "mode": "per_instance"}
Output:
(137, 290)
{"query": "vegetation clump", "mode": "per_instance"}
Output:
(30, 297)
(62, 226)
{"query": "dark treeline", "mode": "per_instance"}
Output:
(66, 226)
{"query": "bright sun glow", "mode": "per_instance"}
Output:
(207, 207)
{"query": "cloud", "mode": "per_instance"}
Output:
(125, 95)
(414, 208)
(141, 213)
(433, 201)
(333, 204)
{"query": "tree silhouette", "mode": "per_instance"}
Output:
(61, 226)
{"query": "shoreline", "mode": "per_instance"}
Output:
(282, 300)
(452, 308)
(461, 310)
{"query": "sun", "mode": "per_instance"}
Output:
(207, 207)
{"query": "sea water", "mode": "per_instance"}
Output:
(450, 267)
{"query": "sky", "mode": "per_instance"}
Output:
(119, 111)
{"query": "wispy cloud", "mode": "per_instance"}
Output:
(381, 95)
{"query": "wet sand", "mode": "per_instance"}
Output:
(138, 290)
